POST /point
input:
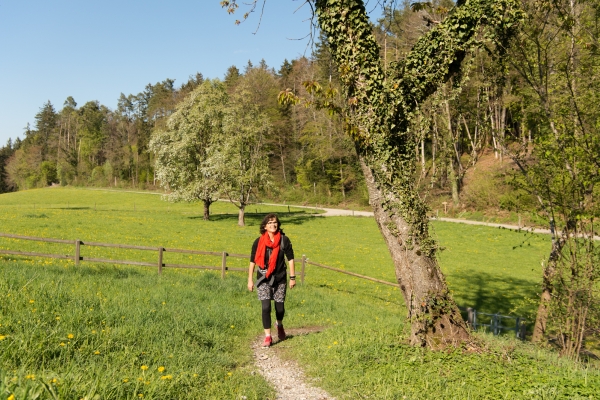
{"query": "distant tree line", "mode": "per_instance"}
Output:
(309, 158)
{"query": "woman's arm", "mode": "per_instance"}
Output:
(292, 273)
(250, 276)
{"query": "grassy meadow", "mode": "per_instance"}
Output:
(114, 331)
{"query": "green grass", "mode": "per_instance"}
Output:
(89, 331)
(493, 270)
(201, 333)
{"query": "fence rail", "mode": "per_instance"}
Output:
(77, 257)
(351, 273)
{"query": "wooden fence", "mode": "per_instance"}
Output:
(495, 326)
(77, 257)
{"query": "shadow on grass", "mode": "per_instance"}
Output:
(493, 293)
(72, 208)
(303, 331)
(107, 270)
(254, 219)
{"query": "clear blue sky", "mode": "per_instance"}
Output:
(94, 50)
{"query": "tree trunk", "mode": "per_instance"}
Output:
(435, 319)
(241, 219)
(541, 319)
(454, 183)
(207, 204)
(423, 157)
(342, 180)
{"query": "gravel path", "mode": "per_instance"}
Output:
(285, 375)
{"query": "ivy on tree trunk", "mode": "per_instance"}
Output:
(379, 109)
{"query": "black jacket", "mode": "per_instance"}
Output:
(280, 268)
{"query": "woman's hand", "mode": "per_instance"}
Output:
(292, 283)
(250, 285)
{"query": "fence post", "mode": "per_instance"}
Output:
(495, 324)
(302, 269)
(470, 317)
(474, 319)
(522, 330)
(223, 265)
(77, 251)
(160, 260)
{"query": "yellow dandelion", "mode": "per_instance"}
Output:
(140, 395)
(31, 301)
(140, 379)
(161, 368)
(70, 336)
(195, 375)
(166, 377)
(229, 374)
(62, 344)
(11, 397)
(32, 377)
(53, 380)
(232, 326)
(125, 380)
(94, 332)
(335, 343)
(96, 352)
(2, 337)
(144, 367)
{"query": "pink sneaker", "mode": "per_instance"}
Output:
(267, 342)
(280, 332)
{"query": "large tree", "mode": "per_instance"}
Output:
(237, 157)
(183, 146)
(378, 110)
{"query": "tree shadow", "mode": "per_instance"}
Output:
(72, 208)
(493, 293)
(254, 219)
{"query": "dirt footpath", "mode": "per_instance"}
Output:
(285, 375)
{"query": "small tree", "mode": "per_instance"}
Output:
(183, 147)
(237, 158)
(558, 66)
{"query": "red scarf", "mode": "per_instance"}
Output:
(263, 243)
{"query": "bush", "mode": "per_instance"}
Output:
(48, 173)
(483, 191)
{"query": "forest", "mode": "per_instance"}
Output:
(503, 104)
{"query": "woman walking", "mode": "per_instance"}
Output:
(268, 253)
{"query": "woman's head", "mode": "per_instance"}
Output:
(269, 218)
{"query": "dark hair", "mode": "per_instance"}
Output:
(266, 219)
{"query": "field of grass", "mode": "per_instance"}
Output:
(91, 330)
